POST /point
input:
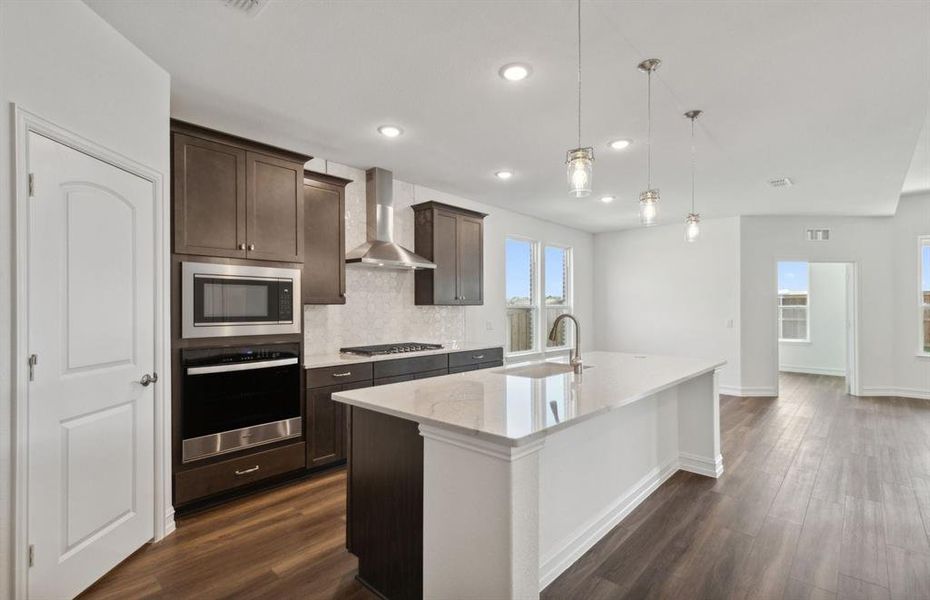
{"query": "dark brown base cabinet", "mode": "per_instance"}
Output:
(453, 238)
(326, 428)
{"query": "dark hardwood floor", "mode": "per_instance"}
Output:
(824, 496)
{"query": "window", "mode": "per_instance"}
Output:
(527, 299)
(521, 294)
(793, 302)
(557, 262)
(925, 294)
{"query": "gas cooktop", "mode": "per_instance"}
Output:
(390, 348)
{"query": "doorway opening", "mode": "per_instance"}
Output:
(816, 319)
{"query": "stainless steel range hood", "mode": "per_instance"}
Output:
(380, 251)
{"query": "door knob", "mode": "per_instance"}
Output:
(251, 247)
(148, 379)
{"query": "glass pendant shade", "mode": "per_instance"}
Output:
(580, 171)
(648, 207)
(692, 227)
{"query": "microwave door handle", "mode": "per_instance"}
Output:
(247, 366)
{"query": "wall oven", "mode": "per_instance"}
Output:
(220, 300)
(236, 398)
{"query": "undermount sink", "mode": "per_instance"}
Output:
(540, 371)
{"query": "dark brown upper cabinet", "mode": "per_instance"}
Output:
(323, 280)
(453, 238)
(236, 198)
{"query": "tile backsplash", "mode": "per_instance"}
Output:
(379, 306)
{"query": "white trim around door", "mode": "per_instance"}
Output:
(27, 122)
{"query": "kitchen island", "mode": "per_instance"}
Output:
(489, 484)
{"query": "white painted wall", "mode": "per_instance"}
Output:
(68, 65)
(911, 372)
(825, 352)
(657, 294)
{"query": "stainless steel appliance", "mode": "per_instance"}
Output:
(235, 398)
(381, 251)
(227, 300)
(390, 348)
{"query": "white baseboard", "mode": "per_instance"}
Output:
(169, 523)
(591, 532)
(747, 392)
(896, 391)
(700, 464)
(813, 370)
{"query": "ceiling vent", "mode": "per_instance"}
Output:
(249, 8)
(781, 182)
(818, 235)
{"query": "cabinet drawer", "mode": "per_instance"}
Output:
(326, 376)
(406, 366)
(201, 482)
(474, 357)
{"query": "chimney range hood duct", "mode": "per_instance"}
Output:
(380, 251)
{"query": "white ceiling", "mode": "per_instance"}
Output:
(831, 94)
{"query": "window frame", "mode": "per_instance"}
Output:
(568, 305)
(807, 319)
(535, 291)
(538, 306)
(923, 241)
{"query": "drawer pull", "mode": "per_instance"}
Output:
(477, 356)
(247, 471)
(346, 374)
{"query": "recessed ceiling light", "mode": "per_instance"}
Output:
(515, 72)
(619, 144)
(505, 174)
(607, 199)
(391, 131)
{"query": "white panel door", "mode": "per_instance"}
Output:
(91, 326)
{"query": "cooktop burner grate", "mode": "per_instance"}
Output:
(390, 348)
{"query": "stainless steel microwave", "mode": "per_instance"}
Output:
(229, 300)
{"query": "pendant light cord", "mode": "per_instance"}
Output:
(692, 164)
(579, 73)
(649, 131)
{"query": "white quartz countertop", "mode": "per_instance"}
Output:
(312, 361)
(517, 404)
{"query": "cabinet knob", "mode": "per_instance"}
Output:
(242, 246)
(251, 247)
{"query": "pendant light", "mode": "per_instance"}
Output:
(649, 199)
(693, 222)
(580, 160)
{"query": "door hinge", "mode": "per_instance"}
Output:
(32, 185)
(31, 559)
(33, 361)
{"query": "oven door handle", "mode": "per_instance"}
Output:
(246, 366)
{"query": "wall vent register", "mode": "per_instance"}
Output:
(818, 235)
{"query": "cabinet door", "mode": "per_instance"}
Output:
(470, 260)
(445, 255)
(209, 198)
(327, 425)
(324, 274)
(275, 208)
(327, 434)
